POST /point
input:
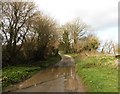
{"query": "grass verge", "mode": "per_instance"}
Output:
(99, 73)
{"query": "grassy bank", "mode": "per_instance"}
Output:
(15, 74)
(99, 73)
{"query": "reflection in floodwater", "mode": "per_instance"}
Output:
(61, 78)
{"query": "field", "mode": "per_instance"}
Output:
(98, 73)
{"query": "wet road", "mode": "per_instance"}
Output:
(61, 78)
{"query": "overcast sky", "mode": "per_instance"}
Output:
(101, 15)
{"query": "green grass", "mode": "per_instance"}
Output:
(15, 74)
(98, 73)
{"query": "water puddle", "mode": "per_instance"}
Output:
(55, 79)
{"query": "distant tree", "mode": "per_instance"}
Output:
(65, 43)
(89, 43)
(74, 30)
(103, 47)
(108, 47)
(116, 49)
(92, 42)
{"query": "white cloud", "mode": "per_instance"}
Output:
(100, 14)
(88, 10)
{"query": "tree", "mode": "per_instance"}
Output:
(65, 43)
(46, 36)
(92, 42)
(88, 43)
(108, 47)
(15, 25)
(116, 49)
(74, 31)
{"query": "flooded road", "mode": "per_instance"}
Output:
(60, 78)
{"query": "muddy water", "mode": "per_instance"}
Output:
(55, 79)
